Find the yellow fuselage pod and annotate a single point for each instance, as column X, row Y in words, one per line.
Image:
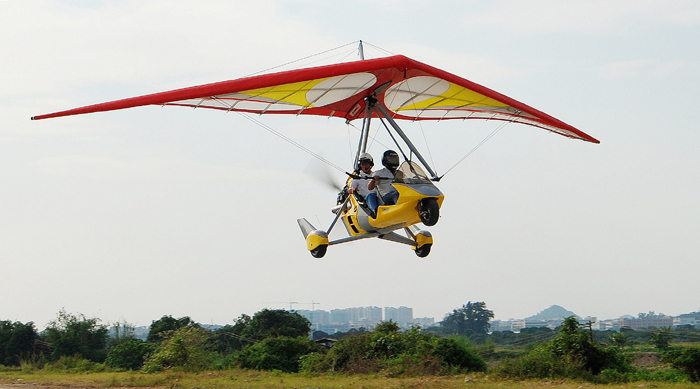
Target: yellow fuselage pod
column 316, row 239
column 402, row 214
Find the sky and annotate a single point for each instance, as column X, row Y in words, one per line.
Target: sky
column 136, row 214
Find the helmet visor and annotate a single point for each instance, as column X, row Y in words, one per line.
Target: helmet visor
column 392, row 160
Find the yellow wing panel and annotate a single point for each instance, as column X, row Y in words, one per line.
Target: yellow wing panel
column 431, row 93
column 294, row 93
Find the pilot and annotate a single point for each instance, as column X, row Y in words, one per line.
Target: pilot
column 361, row 186
column 383, row 178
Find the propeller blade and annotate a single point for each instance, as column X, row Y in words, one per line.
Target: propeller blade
column 321, row 173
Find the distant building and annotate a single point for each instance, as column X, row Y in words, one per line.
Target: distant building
column 607, row 325
column 340, row 316
column 367, row 317
column 424, row 322
column 318, row 318
column 403, row 316
column 343, row 320
column 687, row 320
column 500, row 325
column 658, row 322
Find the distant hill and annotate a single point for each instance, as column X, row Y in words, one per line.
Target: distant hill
column 553, row 312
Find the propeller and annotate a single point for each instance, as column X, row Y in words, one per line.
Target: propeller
column 320, row 172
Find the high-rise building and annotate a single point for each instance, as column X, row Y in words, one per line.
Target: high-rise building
column 403, row 316
column 317, row 318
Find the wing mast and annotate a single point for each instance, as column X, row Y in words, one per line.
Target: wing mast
column 362, row 147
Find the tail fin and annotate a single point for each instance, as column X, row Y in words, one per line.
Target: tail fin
column 306, row 227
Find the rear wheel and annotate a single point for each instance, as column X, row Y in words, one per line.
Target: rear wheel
column 429, row 211
column 423, row 250
column 319, row 251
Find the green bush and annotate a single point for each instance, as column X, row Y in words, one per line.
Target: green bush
column 280, row 353
column 129, row 355
column 571, row 354
column 395, row 353
column 451, row 353
column 611, row 376
column 541, row 363
column 315, row 363
column 74, row 364
column 686, row 360
column 186, row 349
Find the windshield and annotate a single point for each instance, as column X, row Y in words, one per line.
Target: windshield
column 410, row 173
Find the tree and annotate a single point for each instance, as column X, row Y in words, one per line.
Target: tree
column 387, row 327
column 121, row 332
column 661, row 338
column 71, row 335
column 472, row 318
column 230, row 338
column 619, row 339
column 16, row 342
column 272, row 323
column 158, row 328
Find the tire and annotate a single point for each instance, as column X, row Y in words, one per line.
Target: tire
column 319, row 251
column 429, row 211
column 423, row 250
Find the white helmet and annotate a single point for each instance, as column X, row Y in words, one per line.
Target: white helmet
column 366, row 157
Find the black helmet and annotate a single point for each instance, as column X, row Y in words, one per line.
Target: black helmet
column 390, row 159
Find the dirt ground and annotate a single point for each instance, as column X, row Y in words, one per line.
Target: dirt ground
column 646, row 359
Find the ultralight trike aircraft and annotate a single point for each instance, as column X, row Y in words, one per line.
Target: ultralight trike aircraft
column 388, row 89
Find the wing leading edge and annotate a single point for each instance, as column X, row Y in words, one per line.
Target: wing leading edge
column 410, row 90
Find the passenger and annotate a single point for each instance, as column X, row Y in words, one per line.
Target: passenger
column 383, row 178
column 361, row 186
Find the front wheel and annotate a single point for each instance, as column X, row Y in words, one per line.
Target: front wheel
column 423, row 250
column 429, row 211
column 319, row 251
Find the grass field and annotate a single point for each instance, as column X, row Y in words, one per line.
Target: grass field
column 253, row 379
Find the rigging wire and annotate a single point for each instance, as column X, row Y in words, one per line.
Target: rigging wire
column 378, row 48
column 427, row 146
column 491, row 135
column 301, row 59
column 350, row 52
column 291, row 141
column 345, row 54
